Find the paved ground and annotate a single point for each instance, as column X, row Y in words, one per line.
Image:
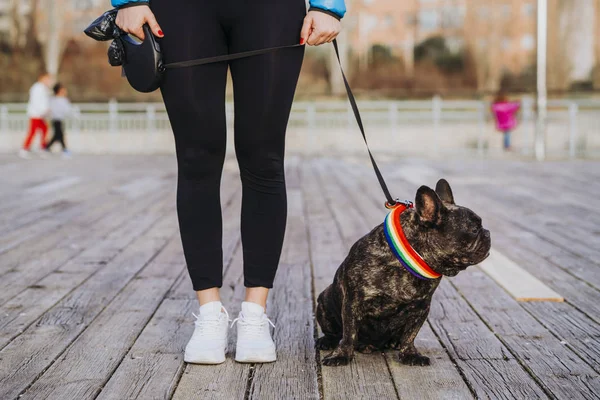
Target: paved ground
column 95, row 301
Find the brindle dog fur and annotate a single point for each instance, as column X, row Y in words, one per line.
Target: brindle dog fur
column 374, row 303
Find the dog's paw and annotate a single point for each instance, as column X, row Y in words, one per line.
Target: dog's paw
column 366, row 348
column 326, row 343
column 414, row 359
column 333, row 359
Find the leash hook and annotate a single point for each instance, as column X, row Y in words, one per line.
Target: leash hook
column 397, row 203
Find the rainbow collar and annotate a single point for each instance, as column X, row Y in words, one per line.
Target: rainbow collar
column 407, row 256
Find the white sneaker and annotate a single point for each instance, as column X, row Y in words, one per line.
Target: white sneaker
column 254, row 342
column 209, row 340
column 24, row 154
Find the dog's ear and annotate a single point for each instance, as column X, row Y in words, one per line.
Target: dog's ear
column 429, row 206
column 444, row 192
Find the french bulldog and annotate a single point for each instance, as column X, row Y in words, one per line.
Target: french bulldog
column 374, row 302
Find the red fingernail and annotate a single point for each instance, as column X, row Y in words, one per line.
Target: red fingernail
column 160, row 33
column 301, row 40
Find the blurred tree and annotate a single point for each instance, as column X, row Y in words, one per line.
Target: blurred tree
column 435, row 48
column 571, row 40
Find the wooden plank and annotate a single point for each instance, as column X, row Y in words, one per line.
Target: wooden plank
column 554, row 257
column 576, row 321
column 73, row 239
column 153, row 366
column 573, row 328
column 18, row 191
column 440, row 380
column 65, row 206
column 54, row 185
column 290, row 306
column 19, row 207
column 80, row 373
column 504, row 220
column 39, row 234
column 28, row 209
column 515, row 280
column 38, row 256
column 491, row 371
column 541, row 213
column 489, row 367
column 553, row 365
column 367, row 376
column 139, row 187
column 17, row 314
column 578, row 292
column 47, row 218
column 36, row 349
column 533, row 188
column 548, row 226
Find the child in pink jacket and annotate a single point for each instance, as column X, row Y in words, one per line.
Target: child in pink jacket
column 505, row 113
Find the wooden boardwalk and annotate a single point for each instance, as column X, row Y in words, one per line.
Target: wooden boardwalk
column 95, row 300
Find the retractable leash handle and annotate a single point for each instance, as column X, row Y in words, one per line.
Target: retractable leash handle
column 390, row 203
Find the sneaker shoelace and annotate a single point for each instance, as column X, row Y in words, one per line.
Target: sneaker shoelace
column 253, row 327
column 210, row 327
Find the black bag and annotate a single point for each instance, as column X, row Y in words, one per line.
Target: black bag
column 104, row 27
column 141, row 61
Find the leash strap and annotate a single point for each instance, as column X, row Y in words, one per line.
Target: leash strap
column 390, row 201
column 227, row 57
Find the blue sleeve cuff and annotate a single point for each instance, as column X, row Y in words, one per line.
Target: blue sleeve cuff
column 337, row 7
column 121, row 3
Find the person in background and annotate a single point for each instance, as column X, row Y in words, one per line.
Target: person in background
column 60, row 109
column 505, row 114
column 37, row 110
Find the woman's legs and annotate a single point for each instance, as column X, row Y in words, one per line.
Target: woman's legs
column 264, row 88
column 195, row 101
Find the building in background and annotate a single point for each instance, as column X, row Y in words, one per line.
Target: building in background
column 15, row 21
column 52, row 23
column 496, row 37
column 499, row 35
column 573, row 39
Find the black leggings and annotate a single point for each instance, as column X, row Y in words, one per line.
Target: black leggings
column 263, row 89
column 58, row 136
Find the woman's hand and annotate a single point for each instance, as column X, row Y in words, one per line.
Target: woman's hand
column 131, row 20
column 319, row 28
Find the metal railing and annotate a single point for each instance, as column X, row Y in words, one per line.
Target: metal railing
column 436, row 113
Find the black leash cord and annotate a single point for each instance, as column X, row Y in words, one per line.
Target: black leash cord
column 226, row 57
column 386, row 192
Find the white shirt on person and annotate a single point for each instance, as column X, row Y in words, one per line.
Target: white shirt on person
column 39, row 101
column 60, row 108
